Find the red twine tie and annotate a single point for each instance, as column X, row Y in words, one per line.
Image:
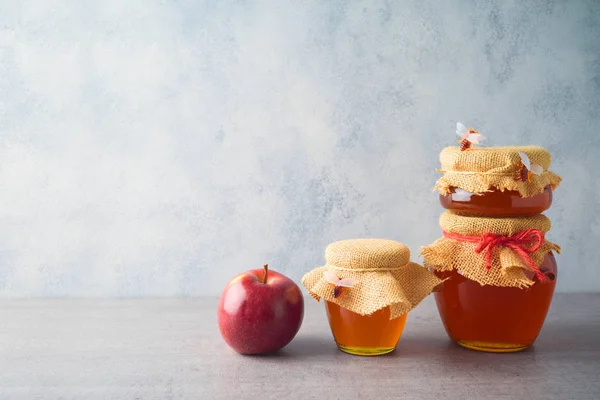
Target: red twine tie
column 522, row 243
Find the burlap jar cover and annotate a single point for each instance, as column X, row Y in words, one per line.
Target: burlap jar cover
column 491, row 251
column 482, row 169
column 385, row 276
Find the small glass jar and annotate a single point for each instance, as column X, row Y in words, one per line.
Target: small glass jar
column 365, row 283
column 496, row 203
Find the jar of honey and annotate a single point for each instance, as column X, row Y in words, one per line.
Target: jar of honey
column 499, row 269
column 369, row 286
column 495, row 203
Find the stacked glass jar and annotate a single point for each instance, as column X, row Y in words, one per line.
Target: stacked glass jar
column 498, row 267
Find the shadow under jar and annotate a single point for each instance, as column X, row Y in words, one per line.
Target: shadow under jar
column 492, row 318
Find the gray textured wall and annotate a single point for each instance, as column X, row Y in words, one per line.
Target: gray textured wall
column 159, row 148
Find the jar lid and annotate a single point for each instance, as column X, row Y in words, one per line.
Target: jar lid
column 367, row 254
column 366, row 275
column 491, row 251
column 482, row 169
column 478, row 225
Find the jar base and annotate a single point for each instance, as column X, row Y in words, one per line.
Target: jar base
column 365, row 351
column 490, row 347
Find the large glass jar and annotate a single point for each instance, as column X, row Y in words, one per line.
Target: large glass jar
column 492, row 318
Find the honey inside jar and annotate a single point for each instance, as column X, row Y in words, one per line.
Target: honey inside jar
column 365, row 335
column 497, row 203
column 493, row 318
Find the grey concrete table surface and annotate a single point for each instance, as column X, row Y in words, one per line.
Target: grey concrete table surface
column 172, row 349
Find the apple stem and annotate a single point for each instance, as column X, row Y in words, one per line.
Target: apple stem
column 266, row 267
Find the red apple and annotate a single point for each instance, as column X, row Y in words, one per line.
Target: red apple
column 260, row 311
